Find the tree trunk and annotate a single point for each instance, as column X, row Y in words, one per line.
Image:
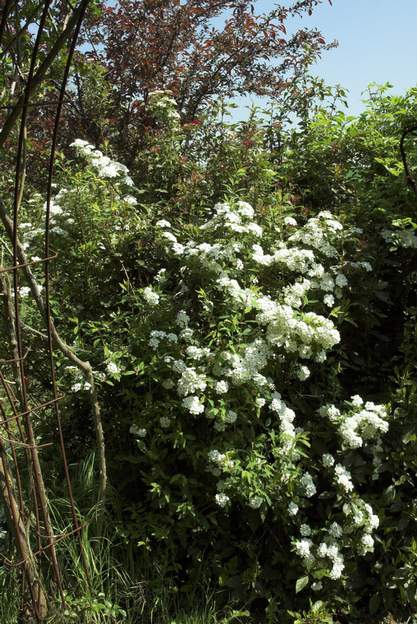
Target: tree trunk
column 7, row 492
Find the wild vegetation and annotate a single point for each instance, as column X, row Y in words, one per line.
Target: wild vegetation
column 234, row 312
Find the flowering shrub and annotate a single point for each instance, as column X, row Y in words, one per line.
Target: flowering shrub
column 232, row 346
column 220, row 369
column 235, row 333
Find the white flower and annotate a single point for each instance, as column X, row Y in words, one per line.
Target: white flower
column 150, row 296
column 255, row 229
column 290, row 222
column 327, row 282
column 162, row 223
column 331, row 411
column 336, row 530
column 186, row 334
column 308, row 485
column 337, row 569
column 129, row 199
column 356, row 400
column 105, row 167
column 322, row 550
column 112, row 368
column 177, row 248
column 221, row 387
column 193, row 405
column 255, row 502
column 245, row 209
column 328, row 300
column 302, row 548
column 222, row 499
column 138, row 431
column 196, row 353
column 81, row 144
column 191, row 381
column 182, row 319
column 328, row 460
column 343, row 478
column 215, row 456
column 341, row 280
column 305, row 530
column 292, row 509
column 54, row 208
column 321, row 357
column 171, row 237
column 372, row 519
column 156, row 337
column 303, row 373
column 367, row 543
column 179, row 366
column 24, row 291
column 164, row 421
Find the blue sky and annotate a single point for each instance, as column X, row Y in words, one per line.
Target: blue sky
column 377, row 43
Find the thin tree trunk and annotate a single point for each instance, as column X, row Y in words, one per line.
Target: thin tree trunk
column 7, row 491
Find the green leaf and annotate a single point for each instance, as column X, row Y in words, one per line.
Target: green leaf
column 301, row 583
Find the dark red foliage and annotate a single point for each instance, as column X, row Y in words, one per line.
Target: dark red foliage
column 198, row 49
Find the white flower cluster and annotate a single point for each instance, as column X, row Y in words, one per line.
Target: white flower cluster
column 221, row 461
column 307, row 334
column 283, row 327
column 150, row 296
column 362, row 422
column 343, row 478
column 163, row 106
column 331, row 552
column 315, row 233
column 356, row 532
column 238, row 220
column 327, row 552
column 259, row 302
column 246, row 366
column 105, row 166
column 307, row 485
column 78, row 383
column 193, row 404
column 139, row 432
column 191, row 382
column 113, row 369
column 157, row 336
column 286, row 416
column 222, row 500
